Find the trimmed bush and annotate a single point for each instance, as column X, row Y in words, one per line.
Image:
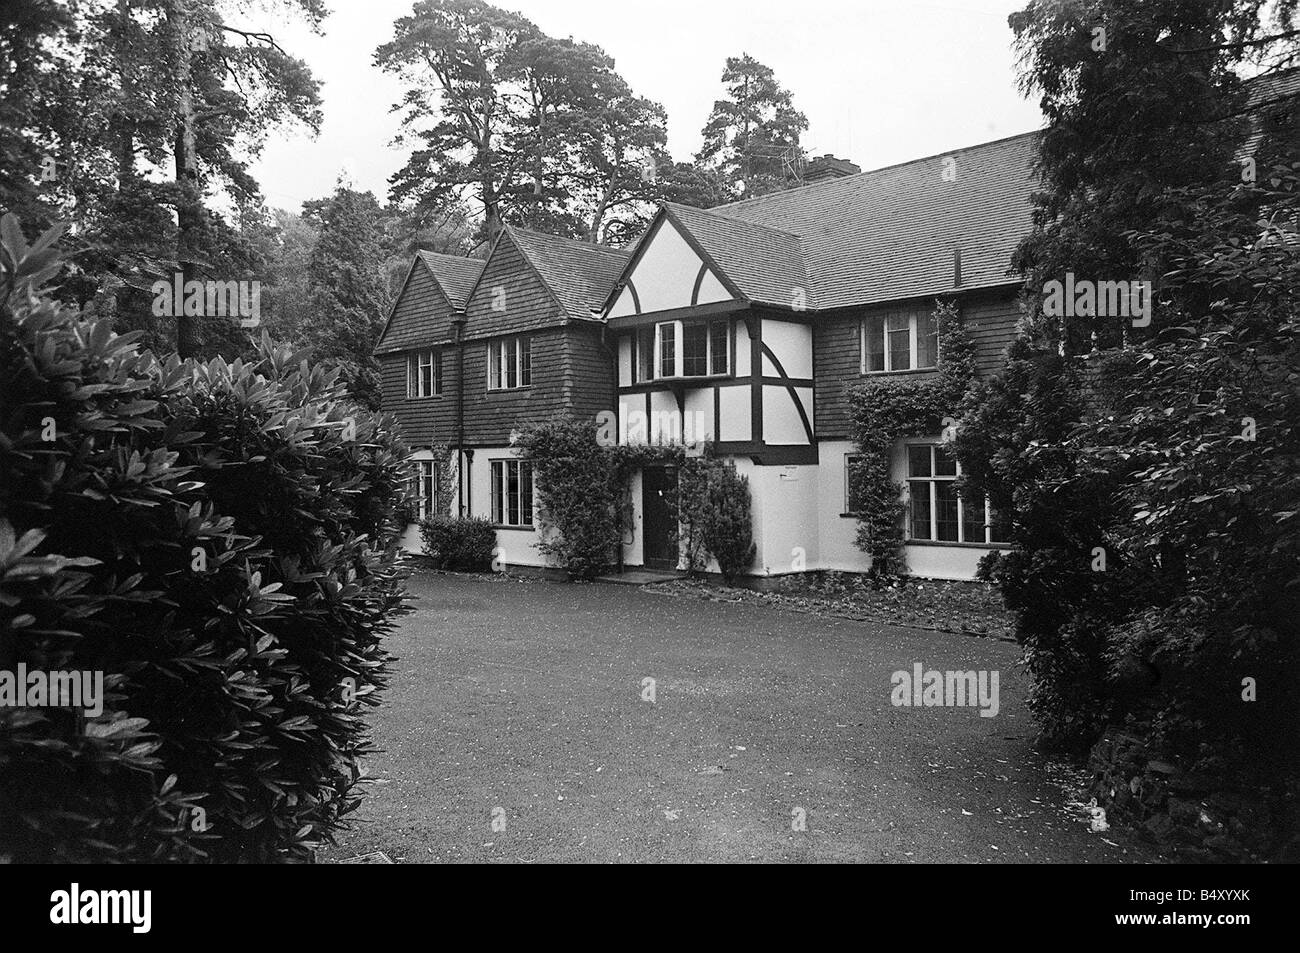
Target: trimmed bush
column 728, row 527
column 217, row 540
column 464, row 544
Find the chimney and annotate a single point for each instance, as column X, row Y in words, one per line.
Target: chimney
column 828, row 167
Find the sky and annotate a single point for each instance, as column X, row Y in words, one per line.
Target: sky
column 881, row 81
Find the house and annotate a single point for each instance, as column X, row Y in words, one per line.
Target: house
column 474, row 350
column 745, row 325
column 759, row 316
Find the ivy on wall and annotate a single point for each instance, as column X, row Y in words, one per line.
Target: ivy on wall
column 885, row 410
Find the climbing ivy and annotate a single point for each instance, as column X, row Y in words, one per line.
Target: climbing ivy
column 885, row 410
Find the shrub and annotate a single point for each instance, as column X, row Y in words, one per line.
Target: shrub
column 728, row 528
column 582, row 490
column 217, row 541
column 463, row 544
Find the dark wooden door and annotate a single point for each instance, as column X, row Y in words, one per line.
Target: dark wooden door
column 659, row 520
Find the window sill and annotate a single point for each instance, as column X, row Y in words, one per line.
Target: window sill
column 507, row 390
column 955, row 545
column 530, row 527
column 911, row 371
column 425, row 397
column 686, row 379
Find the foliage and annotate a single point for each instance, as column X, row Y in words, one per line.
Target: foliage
column 581, row 485
column 728, row 526
column 460, row 543
column 212, row 538
column 886, row 410
column 541, row 132
column 1157, row 550
column 348, row 294
column 101, row 96
column 751, row 131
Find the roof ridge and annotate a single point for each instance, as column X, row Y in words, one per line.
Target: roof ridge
column 595, row 246
column 739, row 221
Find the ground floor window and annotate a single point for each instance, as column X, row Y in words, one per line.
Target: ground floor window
column 936, row 511
column 426, row 487
column 512, row 493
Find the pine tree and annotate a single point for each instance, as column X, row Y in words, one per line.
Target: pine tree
column 752, row 132
column 347, row 288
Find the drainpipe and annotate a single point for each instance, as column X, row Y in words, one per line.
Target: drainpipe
column 458, row 326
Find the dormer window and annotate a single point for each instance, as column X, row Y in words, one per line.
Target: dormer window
column 674, row 349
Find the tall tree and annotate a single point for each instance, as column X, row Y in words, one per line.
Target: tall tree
column 347, row 287
column 534, row 130
column 752, row 136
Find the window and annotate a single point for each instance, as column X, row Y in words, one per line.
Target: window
column 682, row 349
column 512, row 493
column 510, row 363
column 426, row 487
column 424, row 373
column 899, row 341
column 936, row 511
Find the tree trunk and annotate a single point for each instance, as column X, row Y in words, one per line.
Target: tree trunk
column 189, row 208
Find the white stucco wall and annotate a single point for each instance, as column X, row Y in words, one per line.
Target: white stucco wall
column 792, row 345
column 782, row 424
column 735, row 413
column 665, row 276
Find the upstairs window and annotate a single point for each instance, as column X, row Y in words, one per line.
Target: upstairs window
column 510, row 363
column 673, row 349
column 424, row 373
column 899, row 341
column 936, row 511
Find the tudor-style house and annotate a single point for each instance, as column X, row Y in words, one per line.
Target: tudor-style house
column 474, row 350
column 746, row 325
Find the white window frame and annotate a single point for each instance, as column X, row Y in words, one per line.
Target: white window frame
column 679, row 351
column 932, row 481
column 426, row 487
column 507, row 355
column 416, row 362
column 499, row 471
column 913, row 342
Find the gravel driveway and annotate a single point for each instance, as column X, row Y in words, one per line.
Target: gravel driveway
column 517, row 728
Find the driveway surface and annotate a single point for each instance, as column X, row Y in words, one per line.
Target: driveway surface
column 517, row 728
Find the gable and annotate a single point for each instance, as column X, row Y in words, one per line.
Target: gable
column 668, row 273
column 421, row 315
column 510, row 297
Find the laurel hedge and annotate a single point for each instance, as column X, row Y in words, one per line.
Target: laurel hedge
column 217, row 539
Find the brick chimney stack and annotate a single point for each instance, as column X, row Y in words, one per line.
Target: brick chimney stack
column 829, row 167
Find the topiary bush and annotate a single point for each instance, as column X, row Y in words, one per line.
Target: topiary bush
column 463, row 544
column 728, row 525
column 217, row 540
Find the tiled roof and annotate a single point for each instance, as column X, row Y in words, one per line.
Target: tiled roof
column 455, row 275
column 579, row 274
column 880, row 235
column 766, row 264
column 1273, row 91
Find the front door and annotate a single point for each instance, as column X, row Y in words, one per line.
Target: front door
column 659, row 518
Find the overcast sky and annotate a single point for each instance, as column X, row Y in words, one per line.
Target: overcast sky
column 881, row 81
